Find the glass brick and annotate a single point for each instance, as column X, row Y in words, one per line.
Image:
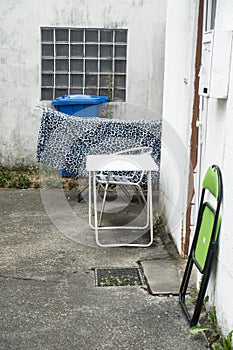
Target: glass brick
column 76, row 65
column 91, row 80
column 120, row 51
column 76, row 80
column 119, row 95
column 120, row 81
column 90, row 91
column 60, row 92
column 103, row 92
column 76, row 35
column 76, row 91
column 47, row 35
column 47, row 50
column 61, row 80
column 91, row 35
column 106, row 66
column 120, row 66
column 47, row 65
column 121, row 36
column 91, row 51
column 47, row 94
column 106, row 51
column 61, row 35
column 106, row 36
column 91, row 66
column 104, row 80
column 62, row 65
column 76, row 50
column 47, row 80
column 62, row 50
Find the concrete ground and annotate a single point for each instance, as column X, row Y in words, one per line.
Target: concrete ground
column 48, row 296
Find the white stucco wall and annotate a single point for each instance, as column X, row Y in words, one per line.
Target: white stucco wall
column 20, row 22
column 219, row 150
column 180, row 52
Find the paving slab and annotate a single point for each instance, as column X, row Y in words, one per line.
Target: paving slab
column 163, row 275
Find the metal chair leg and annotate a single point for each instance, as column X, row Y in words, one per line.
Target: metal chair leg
column 103, row 204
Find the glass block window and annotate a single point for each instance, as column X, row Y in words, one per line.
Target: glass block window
column 83, row 61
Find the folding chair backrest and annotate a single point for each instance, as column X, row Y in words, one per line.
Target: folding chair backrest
column 209, row 219
column 205, row 241
column 213, row 182
column 205, row 235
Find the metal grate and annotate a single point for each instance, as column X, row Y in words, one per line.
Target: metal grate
column 118, row 277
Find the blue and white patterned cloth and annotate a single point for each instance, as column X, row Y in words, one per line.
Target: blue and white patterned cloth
column 65, row 141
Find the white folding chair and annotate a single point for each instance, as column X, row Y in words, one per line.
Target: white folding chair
column 127, row 169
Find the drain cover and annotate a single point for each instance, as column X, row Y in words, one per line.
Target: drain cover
column 106, row 277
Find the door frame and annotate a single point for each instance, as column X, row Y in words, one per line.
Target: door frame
column 194, row 133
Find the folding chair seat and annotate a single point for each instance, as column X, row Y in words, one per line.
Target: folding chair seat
column 205, row 242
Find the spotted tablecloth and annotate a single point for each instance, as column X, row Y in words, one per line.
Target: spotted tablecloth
column 65, row 141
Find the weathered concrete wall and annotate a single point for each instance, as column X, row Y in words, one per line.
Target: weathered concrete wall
column 217, row 145
column 180, row 52
column 20, row 22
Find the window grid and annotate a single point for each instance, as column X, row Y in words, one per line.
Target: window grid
column 86, row 61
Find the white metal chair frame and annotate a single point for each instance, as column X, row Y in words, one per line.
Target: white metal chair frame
column 132, row 176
